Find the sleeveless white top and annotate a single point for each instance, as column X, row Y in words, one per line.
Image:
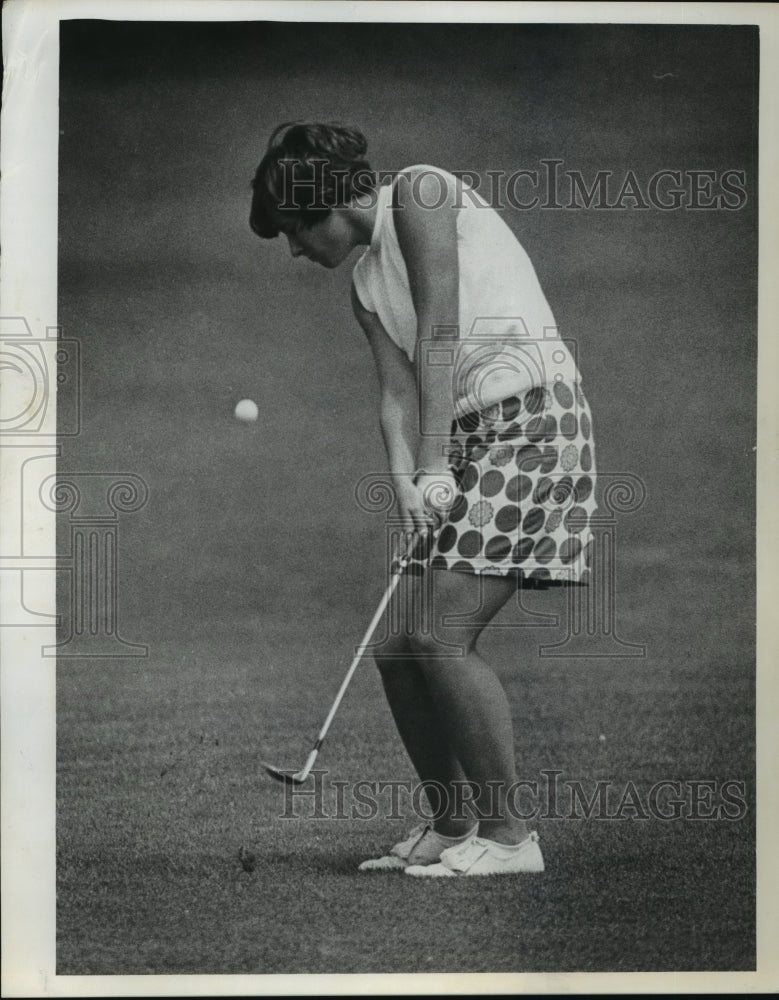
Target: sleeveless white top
column 508, row 338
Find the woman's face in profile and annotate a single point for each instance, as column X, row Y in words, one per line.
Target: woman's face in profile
column 328, row 242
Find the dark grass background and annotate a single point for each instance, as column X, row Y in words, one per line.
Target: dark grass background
column 252, row 572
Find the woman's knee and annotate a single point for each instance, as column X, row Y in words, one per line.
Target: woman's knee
column 431, row 648
column 391, row 651
column 423, row 648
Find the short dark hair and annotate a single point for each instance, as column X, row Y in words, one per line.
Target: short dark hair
column 311, row 169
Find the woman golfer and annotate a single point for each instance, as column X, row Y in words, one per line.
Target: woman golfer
column 489, row 443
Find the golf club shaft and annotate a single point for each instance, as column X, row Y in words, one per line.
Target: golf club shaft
column 396, row 575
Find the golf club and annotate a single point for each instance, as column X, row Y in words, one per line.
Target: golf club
column 300, row 776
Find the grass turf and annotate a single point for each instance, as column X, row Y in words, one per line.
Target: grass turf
column 160, row 784
column 251, row 563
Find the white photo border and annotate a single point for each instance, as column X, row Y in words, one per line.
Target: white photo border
column 28, row 284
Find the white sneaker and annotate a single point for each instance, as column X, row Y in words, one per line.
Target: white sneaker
column 423, row 846
column 478, row 856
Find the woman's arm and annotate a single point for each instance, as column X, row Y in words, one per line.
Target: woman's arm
column 428, row 242
column 398, row 392
column 398, row 416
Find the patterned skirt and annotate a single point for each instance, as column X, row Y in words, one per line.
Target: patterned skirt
column 525, row 470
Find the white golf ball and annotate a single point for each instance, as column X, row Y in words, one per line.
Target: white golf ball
column 246, row 409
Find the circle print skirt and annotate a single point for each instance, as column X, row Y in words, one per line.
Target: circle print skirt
column 525, row 470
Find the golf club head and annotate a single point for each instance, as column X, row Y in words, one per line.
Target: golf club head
column 283, row 776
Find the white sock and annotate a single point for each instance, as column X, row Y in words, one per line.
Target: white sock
column 454, row 840
column 513, row 847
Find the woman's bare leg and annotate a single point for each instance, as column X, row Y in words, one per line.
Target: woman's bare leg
column 471, row 704
column 415, row 714
column 449, row 706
